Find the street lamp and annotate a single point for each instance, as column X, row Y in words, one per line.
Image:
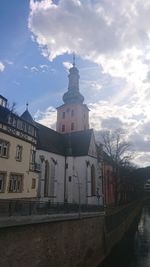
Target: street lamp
column 79, row 193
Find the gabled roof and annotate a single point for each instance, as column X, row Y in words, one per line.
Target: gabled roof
column 71, row 144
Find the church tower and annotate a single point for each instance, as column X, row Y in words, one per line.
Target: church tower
column 73, row 115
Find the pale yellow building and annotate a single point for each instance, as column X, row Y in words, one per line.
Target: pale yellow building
column 18, row 170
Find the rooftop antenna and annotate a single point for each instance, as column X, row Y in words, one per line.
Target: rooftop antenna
column 27, row 104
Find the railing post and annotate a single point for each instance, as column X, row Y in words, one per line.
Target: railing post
column 30, row 208
column 10, row 208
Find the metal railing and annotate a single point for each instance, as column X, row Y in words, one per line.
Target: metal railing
column 35, row 207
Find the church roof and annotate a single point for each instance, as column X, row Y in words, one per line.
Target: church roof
column 71, row 144
column 50, row 140
column 77, row 143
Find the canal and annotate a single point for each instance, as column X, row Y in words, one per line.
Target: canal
column 134, row 249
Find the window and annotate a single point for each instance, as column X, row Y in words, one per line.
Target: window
column 19, row 124
column 93, row 181
column 33, row 183
column 14, row 122
column 4, row 147
column 18, row 152
column 72, row 113
column 63, row 115
column 32, row 160
column 69, row 178
column 2, row 181
column 72, row 126
column 63, row 128
column 30, row 130
column 16, row 183
column 46, row 179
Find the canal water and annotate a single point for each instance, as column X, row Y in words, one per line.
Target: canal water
column 134, row 249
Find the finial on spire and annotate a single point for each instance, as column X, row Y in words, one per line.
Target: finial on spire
column 73, row 59
column 27, row 104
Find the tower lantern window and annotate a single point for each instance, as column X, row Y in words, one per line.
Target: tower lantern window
column 63, row 115
column 72, row 113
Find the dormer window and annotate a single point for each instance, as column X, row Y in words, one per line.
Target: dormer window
column 3, row 101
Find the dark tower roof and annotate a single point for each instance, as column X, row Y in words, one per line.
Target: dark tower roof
column 27, row 116
column 73, row 95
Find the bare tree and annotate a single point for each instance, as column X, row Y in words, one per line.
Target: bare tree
column 12, row 107
column 116, row 146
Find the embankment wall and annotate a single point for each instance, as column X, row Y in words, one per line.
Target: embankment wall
column 79, row 242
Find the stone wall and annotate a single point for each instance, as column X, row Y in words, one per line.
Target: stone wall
column 83, row 242
column 72, row 243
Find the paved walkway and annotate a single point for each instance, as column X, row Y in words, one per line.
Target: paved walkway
column 33, row 219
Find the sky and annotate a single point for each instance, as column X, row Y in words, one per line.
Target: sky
column 111, row 41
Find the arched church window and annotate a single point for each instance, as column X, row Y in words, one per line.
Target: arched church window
column 63, row 128
column 52, row 178
column 46, row 180
column 93, row 181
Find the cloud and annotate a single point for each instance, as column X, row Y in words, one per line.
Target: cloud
column 67, row 65
column 2, row 67
column 66, row 27
column 121, row 46
column 9, row 62
column 47, row 118
column 34, row 69
column 42, row 68
column 113, row 38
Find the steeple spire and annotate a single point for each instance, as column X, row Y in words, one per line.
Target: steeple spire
column 73, row 60
column 73, row 95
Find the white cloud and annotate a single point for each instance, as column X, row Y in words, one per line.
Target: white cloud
column 67, row 65
column 9, row 62
column 34, row 69
column 120, row 45
column 2, row 67
column 47, row 118
column 42, row 68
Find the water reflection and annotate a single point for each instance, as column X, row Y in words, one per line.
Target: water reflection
column 134, row 249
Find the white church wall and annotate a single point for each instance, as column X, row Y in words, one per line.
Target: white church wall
column 78, row 180
column 55, row 190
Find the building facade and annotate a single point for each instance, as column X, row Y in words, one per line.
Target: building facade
column 56, row 166
column 68, row 156
column 18, row 170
